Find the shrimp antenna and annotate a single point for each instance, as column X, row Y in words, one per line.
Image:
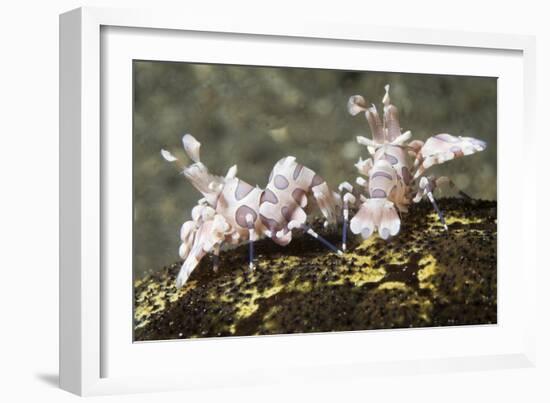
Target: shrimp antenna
column 438, row 211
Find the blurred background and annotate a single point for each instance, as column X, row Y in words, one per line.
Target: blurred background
column 253, row 116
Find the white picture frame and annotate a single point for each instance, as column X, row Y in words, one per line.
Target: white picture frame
column 92, row 350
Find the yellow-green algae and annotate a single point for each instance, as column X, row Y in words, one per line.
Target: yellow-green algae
column 428, row 266
column 246, row 305
column 422, row 277
column 154, row 296
column 392, row 285
column 434, row 218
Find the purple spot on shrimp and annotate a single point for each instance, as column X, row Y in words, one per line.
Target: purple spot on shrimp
column 391, row 159
column 271, row 224
column 381, row 173
column 378, row 194
column 317, row 180
column 241, row 213
column 286, row 213
column 457, row 151
column 280, row 182
column 406, row 175
column 242, row 190
column 268, row 196
column 297, row 171
column 297, row 195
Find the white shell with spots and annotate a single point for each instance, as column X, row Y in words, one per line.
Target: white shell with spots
column 391, row 173
column 286, row 197
column 229, row 201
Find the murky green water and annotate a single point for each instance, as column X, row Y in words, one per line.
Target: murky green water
column 253, row 116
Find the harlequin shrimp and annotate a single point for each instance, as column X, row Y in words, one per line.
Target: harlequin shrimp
column 232, row 211
column 394, row 175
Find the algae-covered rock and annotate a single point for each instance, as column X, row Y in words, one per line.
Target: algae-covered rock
column 422, row 277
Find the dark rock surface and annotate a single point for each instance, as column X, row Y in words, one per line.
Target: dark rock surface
column 422, row 277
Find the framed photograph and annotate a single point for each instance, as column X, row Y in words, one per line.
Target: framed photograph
column 243, row 202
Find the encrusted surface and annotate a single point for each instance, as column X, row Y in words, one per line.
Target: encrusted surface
column 422, row 277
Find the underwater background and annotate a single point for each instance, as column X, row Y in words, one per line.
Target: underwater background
column 253, row 116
